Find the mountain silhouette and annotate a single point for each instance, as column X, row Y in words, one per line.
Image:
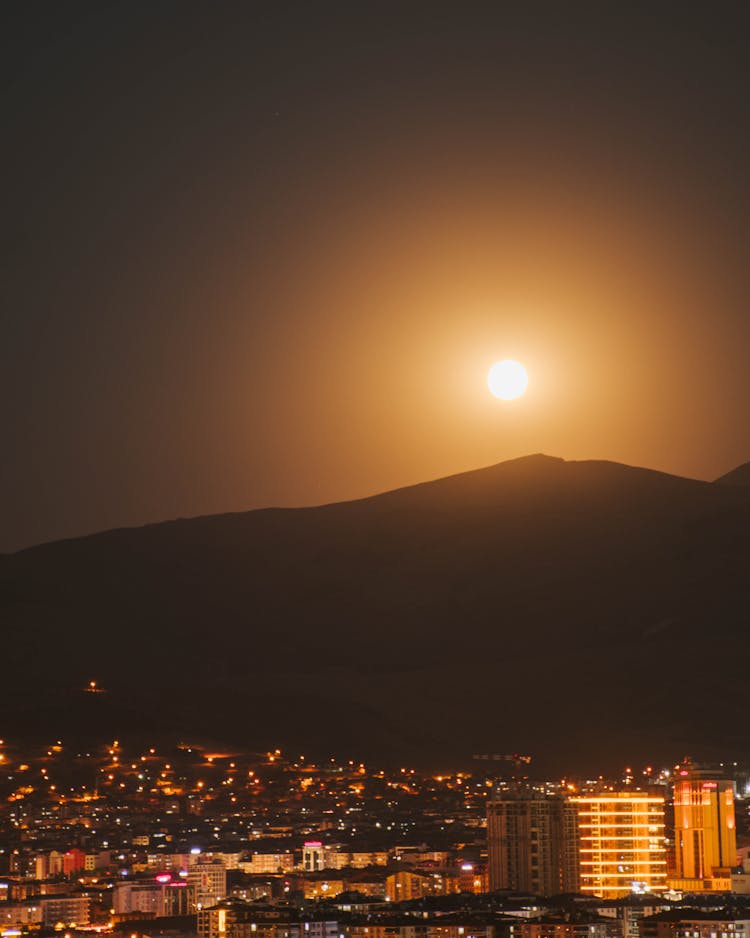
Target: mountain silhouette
column 738, row 476
column 589, row 613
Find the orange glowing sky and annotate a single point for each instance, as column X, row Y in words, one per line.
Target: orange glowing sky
column 273, row 263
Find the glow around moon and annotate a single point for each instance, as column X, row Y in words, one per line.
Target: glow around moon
column 507, row 379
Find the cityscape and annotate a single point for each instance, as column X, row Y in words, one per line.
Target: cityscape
column 374, row 480
column 187, row 841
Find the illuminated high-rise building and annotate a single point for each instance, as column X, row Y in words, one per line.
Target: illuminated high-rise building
column 532, row 844
column 207, row 877
column 705, row 836
column 622, row 845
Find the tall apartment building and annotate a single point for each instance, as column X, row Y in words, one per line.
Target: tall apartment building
column 532, row 844
column 207, row 877
column 705, row 836
column 622, row 846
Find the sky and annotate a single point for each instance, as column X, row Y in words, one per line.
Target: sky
column 264, row 254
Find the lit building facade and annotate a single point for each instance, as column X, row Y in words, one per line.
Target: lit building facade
column 268, row 863
column 73, row 861
column 557, row 928
column 68, row 910
column 313, row 856
column 207, row 879
column 693, row 923
column 323, row 888
column 317, row 857
column 532, row 844
column 705, row 835
column 405, row 886
column 145, row 898
column 622, row 848
column 153, row 899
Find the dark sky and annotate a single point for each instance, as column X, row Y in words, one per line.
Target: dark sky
column 261, row 254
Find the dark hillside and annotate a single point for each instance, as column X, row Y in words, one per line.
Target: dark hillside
column 581, row 611
column 738, row 476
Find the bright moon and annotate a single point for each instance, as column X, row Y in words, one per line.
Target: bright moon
column 507, row 379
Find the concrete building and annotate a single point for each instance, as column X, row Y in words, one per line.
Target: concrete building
column 390, row 930
column 317, row 857
column 68, row 910
column 268, row 863
column 549, row 927
column 74, row 860
column 152, row 899
column 207, row 878
column 532, row 844
column 238, row 920
column 407, row 885
column 19, row 915
column 323, row 888
column 630, row 911
column 313, row 856
column 145, row 898
column 695, row 923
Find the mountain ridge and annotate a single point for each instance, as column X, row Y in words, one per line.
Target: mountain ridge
column 533, row 459
column 740, row 475
column 514, row 582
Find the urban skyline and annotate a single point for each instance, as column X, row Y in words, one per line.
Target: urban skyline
column 164, row 835
column 374, row 482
